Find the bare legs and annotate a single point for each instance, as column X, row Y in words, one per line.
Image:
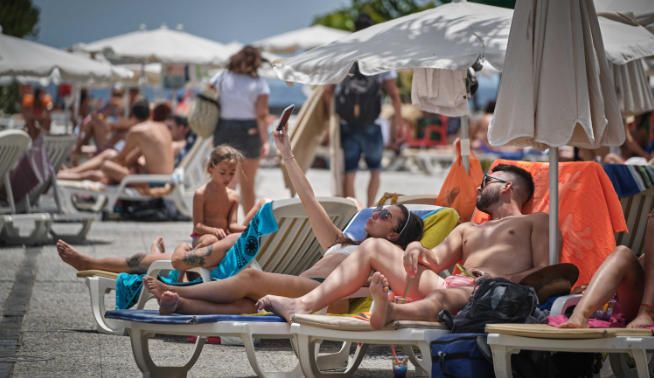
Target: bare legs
column 621, row 273
column 236, row 294
column 373, row 254
column 137, row 263
column 373, row 186
column 246, row 181
column 89, row 169
column 427, row 309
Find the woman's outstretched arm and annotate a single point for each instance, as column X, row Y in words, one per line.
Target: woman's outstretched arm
column 326, row 232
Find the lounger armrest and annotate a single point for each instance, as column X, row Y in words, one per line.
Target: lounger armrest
column 562, row 304
column 159, row 265
column 138, row 179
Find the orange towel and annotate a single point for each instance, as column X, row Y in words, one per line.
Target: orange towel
column 459, row 190
column 589, row 211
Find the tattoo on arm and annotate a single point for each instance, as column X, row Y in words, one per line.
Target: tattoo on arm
column 197, row 257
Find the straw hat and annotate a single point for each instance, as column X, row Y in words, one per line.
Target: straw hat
column 552, row 280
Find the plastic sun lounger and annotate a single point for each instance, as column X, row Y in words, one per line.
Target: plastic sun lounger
column 291, row 250
column 139, row 331
column 505, row 340
column 13, row 144
column 58, row 148
column 190, row 174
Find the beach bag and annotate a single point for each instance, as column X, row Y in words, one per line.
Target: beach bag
column 463, row 355
column 204, row 113
column 31, row 171
column 358, row 99
column 495, row 300
column 459, row 190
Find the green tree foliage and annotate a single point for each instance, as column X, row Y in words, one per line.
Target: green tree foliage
column 19, row 18
column 378, row 10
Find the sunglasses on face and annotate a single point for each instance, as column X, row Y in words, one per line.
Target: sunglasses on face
column 488, row 179
column 382, row 213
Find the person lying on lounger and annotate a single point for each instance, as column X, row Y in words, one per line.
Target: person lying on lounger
column 629, row 277
column 184, row 257
column 511, row 245
column 238, row 294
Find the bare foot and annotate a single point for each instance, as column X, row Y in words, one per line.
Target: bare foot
column 157, row 246
column 575, row 321
column 381, row 311
column 642, row 320
column 168, row 302
column 282, row 306
column 72, row 257
column 156, row 287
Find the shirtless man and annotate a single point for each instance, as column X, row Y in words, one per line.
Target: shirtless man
column 631, row 278
column 148, row 149
column 512, row 245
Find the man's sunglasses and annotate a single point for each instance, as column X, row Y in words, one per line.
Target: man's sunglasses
column 488, row 179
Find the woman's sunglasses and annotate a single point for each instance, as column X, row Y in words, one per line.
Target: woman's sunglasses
column 382, row 213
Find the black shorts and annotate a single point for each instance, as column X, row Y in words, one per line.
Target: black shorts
column 242, row 134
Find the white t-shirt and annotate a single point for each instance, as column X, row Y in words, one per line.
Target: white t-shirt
column 238, row 94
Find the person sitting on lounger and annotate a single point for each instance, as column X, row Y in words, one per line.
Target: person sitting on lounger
column 630, row 278
column 148, row 149
column 238, row 294
column 215, row 205
column 511, row 245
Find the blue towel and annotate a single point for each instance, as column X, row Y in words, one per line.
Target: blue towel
column 152, row 316
column 355, row 230
column 622, row 179
column 128, row 286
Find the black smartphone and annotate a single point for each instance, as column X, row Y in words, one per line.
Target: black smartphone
column 286, row 113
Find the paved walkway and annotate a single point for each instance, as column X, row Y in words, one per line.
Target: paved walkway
column 47, row 329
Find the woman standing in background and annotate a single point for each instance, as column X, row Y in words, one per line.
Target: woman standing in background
column 244, row 108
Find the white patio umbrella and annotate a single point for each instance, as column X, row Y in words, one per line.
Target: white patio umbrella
column 161, row 45
column 23, row 59
column 632, row 87
column 557, row 88
column 300, row 39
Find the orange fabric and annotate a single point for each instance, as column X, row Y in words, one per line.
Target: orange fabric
column 590, row 212
column 459, row 190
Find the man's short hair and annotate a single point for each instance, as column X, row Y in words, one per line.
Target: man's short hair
column 161, row 112
column 141, row 110
column 525, row 180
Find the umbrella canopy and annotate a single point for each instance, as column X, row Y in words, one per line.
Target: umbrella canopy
column 301, row 39
column 557, row 87
column 633, row 88
column 451, row 36
column 22, row 59
column 641, row 11
column 159, row 46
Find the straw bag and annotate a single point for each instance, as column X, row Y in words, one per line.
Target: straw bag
column 204, row 113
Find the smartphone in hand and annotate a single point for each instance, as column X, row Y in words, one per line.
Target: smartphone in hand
column 286, row 114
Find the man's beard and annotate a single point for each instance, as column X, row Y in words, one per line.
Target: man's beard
column 487, row 198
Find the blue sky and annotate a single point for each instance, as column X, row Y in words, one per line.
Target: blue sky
column 63, row 23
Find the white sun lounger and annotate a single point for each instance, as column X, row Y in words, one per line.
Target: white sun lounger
column 13, row 144
column 288, row 251
column 190, row 174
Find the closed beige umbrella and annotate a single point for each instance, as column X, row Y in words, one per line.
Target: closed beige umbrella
column 557, row 88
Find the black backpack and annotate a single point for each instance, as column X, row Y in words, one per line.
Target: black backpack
column 358, row 98
column 495, row 300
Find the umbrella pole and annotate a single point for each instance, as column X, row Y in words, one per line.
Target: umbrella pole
column 554, row 205
column 465, row 143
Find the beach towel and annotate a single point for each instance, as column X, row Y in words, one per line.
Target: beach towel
column 128, row 286
column 629, row 180
column 590, row 212
column 459, row 190
column 440, row 91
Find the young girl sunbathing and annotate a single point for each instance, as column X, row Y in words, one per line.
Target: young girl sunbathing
column 215, row 205
column 238, row 294
column 630, row 278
